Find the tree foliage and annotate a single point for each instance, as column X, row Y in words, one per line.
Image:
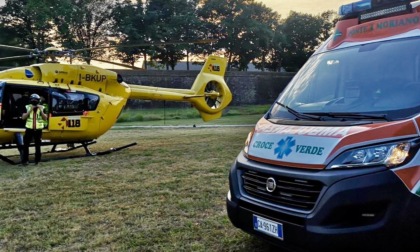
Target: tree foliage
column 296, row 38
column 130, row 27
column 85, row 24
column 30, row 20
column 245, row 30
column 171, row 20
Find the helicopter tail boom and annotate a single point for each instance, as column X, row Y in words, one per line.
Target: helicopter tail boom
column 209, row 94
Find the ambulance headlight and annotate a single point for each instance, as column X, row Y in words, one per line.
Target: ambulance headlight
column 390, row 155
column 248, row 142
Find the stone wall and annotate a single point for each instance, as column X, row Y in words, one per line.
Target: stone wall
column 247, row 87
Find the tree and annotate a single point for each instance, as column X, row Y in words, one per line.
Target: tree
column 220, row 16
column 259, row 35
column 193, row 30
column 85, row 24
column 246, row 31
column 330, row 18
column 27, row 23
column 9, row 37
column 131, row 28
column 243, row 28
column 303, row 33
column 274, row 56
column 170, row 20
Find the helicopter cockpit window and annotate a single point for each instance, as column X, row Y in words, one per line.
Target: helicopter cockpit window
column 91, row 101
column 72, row 103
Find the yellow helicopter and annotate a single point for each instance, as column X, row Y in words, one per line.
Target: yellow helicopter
column 85, row 101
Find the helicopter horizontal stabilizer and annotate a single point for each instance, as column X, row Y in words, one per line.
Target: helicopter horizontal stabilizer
column 209, row 94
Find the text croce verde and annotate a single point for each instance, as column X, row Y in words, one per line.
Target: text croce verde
column 304, row 149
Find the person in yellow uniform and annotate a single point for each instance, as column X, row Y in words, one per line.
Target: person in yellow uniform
column 34, row 117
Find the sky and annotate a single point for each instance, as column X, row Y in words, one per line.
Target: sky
column 314, row 7
column 283, row 7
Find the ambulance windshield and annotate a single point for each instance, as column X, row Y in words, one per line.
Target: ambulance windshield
column 377, row 78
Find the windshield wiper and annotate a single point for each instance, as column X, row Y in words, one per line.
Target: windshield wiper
column 347, row 115
column 299, row 115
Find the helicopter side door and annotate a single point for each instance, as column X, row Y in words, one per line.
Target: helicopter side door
column 14, row 99
column 69, row 108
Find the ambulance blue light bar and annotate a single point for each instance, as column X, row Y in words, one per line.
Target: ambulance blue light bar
column 355, row 8
column 363, row 6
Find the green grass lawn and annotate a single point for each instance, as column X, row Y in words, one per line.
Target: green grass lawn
column 225, row 120
column 248, row 115
column 167, row 193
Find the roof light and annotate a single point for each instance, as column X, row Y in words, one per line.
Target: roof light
column 363, row 6
column 354, row 8
column 381, row 3
column 383, row 12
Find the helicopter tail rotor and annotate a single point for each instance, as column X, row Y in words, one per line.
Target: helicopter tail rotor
column 209, row 94
column 212, row 94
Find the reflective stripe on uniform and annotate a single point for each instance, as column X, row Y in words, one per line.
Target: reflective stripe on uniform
column 38, row 123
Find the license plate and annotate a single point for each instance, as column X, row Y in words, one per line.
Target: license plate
column 268, row 227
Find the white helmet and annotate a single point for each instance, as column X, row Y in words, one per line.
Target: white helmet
column 34, row 99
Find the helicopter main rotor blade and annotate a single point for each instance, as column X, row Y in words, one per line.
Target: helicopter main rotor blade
column 118, row 64
column 16, row 48
column 18, row 57
column 203, row 41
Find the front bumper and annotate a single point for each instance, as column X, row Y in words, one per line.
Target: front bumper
column 364, row 209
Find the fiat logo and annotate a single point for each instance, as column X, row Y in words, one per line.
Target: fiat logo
column 270, row 185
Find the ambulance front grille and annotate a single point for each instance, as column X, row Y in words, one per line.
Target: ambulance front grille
column 289, row 192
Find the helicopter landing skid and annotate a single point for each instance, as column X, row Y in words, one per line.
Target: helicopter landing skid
column 85, row 145
column 88, row 153
column 70, row 147
column 7, row 160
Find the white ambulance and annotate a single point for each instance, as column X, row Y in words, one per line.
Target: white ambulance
column 334, row 165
